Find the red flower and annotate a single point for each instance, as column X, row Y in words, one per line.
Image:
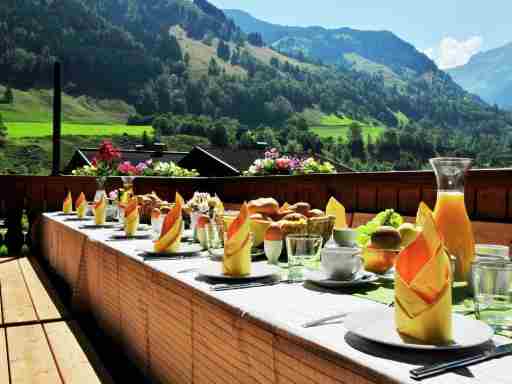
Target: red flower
column 107, row 152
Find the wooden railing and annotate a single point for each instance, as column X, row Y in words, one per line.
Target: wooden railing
column 488, row 192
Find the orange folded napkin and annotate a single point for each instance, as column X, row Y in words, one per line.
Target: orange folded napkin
column 237, row 246
column 100, row 211
column 131, row 217
column 170, row 237
column 67, row 205
column 336, row 209
column 423, row 293
column 81, row 206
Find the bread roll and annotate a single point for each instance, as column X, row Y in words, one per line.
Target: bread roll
column 315, row 213
column 266, row 206
column 294, row 217
column 301, row 208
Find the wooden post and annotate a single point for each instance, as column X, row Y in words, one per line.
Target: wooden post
column 57, row 103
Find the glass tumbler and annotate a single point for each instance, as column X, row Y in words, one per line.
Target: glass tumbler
column 215, row 239
column 493, row 293
column 301, row 249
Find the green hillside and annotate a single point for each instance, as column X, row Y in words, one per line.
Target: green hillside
column 37, row 129
column 35, row 105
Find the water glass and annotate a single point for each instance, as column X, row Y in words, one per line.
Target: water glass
column 156, row 226
column 301, row 249
column 493, row 293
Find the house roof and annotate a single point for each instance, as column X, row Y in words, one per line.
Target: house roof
column 238, row 160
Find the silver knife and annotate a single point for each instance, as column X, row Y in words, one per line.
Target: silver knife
column 427, row 371
column 229, row 287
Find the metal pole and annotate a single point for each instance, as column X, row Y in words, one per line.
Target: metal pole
column 57, row 107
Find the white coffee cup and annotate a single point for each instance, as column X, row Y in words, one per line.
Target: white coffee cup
column 342, row 263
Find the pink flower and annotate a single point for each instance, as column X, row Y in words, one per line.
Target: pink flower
column 141, row 167
column 127, row 168
column 283, row 163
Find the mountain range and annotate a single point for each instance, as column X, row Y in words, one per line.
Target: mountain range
column 189, row 57
column 489, row 75
column 377, row 51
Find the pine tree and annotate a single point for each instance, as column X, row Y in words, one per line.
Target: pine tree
column 223, row 51
column 213, row 68
column 8, row 95
column 3, row 132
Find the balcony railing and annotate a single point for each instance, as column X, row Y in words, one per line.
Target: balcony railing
column 488, row 192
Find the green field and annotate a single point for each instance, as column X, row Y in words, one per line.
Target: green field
column 336, row 126
column 35, row 105
column 18, row 130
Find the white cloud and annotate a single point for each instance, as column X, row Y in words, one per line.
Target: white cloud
column 453, row 53
column 430, row 52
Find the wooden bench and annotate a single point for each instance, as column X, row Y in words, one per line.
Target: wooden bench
column 39, row 340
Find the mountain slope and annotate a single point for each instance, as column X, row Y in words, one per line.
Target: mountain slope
column 488, row 75
column 331, row 45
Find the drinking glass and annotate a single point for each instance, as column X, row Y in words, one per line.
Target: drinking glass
column 156, row 226
column 493, row 293
column 214, row 233
column 301, row 249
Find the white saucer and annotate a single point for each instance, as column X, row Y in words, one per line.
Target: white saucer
column 378, row 325
column 320, row 278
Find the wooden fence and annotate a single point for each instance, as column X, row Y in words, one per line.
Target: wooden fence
column 488, row 192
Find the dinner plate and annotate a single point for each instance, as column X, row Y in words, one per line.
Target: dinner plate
column 97, row 226
column 378, row 325
column 218, row 254
column 137, row 236
column 140, row 228
column 213, row 270
column 320, row 278
column 185, row 250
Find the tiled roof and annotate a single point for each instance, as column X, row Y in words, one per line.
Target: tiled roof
column 136, row 156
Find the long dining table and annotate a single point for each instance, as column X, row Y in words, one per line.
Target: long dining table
column 176, row 329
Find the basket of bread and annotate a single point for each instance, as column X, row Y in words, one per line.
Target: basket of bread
column 298, row 218
column 149, row 203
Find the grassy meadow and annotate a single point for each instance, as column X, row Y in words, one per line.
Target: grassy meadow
column 339, row 126
column 38, row 129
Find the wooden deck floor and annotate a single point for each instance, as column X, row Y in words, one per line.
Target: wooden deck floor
column 40, row 342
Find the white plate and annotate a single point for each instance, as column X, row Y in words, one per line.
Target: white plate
column 378, row 325
column 213, row 270
column 320, row 278
column 186, row 249
column 137, row 236
column 218, row 254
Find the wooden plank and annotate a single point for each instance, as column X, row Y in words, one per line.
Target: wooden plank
column 491, row 203
column 30, row 357
column 387, row 197
column 75, row 358
column 17, row 306
column 4, row 361
column 46, row 302
column 492, row 233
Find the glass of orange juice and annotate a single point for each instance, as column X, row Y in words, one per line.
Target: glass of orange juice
column 450, row 212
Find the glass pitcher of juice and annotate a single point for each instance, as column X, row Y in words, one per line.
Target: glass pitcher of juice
column 450, row 213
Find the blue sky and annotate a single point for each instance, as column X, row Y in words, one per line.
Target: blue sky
column 448, row 30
